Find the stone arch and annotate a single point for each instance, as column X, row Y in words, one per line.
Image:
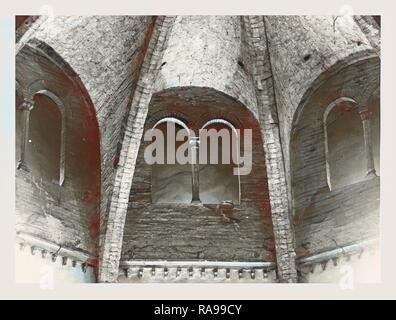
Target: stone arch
column 203, row 105
column 159, row 115
column 173, row 120
column 368, row 55
column 334, row 104
column 207, row 95
column 70, row 208
column 230, row 118
column 359, row 60
column 320, row 208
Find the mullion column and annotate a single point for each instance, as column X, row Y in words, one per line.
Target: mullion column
column 365, row 116
column 194, row 145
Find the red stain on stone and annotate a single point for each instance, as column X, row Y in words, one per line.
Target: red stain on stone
column 345, row 107
column 91, row 130
column 94, row 227
column 94, row 233
column 297, row 220
column 116, row 160
column 93, row 262
column 91, row 196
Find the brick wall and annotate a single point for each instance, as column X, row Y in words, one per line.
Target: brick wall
column 327, row 219
column 104, row 55
column 193, row 232
column 208, row 51
column 68, row 214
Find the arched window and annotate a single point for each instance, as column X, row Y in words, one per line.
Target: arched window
column 219, row 182
column 171, row 181
column 44, row 146
column 346, row 161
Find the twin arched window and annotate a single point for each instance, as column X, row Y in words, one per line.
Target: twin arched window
column 206, row 182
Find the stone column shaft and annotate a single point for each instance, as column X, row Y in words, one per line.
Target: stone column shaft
column 194, row 145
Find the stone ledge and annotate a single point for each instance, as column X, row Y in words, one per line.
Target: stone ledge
column 47, row 248
column 196, row 271
column 334, row 255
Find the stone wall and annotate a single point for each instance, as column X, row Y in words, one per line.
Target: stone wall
column 106, row 53
column 117, row 75
column 339, row 218
column 103, row 56
column 304, row 51
column 208, row 51
column 331, row 214
column 62, row 211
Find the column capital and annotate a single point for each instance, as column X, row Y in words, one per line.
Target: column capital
column 27, row 104
column 364, row 113
column 194, row 141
